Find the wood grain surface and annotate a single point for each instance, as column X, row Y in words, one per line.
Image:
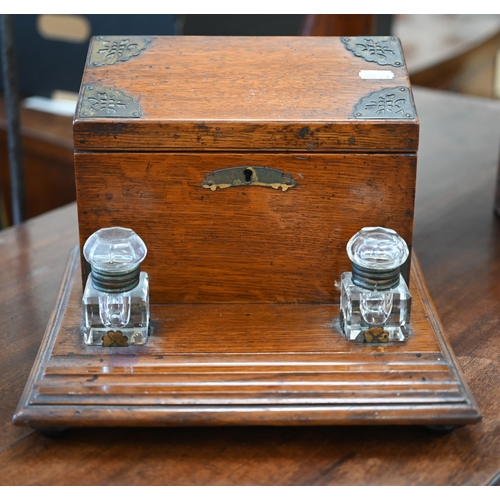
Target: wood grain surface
column 244, row 93
column 245, row 243
column 243, row 364
column 457, row 238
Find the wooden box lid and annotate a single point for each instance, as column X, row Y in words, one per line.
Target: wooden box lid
column 246, row 93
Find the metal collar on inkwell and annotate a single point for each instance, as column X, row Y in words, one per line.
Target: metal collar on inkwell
column 115, row 282
column 377, row 254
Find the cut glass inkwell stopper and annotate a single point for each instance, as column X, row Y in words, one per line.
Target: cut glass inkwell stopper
column 116, row 297
column 375, row 302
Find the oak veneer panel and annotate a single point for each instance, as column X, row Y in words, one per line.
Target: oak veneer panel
column 206, row 364
column 243, row 93
column 247, row 243
column 213, row 333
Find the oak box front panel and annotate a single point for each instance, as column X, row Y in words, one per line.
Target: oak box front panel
column 245, row 243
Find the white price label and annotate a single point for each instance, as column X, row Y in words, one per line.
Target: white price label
column 376, row 75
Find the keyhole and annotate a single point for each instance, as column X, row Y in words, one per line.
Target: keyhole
column 248, row 175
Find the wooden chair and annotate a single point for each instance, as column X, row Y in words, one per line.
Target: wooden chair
column 469, row 72
column 47, row 154
column 338, row 25
column 451, row 52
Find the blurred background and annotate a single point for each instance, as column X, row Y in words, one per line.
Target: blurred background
column 455, row 52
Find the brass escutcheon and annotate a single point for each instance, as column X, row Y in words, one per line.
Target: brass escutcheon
column 248, row 176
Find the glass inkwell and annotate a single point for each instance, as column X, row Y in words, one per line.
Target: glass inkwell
column 116, row 297
column 375, row 302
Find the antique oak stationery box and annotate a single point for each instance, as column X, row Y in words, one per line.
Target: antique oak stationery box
column 245, row 164
column 319, row 134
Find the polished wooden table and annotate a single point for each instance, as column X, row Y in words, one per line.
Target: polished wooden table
column 457, row 239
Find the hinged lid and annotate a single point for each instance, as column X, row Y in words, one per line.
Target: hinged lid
column 246, row 93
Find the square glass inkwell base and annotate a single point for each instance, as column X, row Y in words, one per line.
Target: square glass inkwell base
column 375, row 302
column 116, row 319
column 115, row 301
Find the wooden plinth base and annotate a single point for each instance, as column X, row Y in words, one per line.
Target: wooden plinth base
column 243, row 364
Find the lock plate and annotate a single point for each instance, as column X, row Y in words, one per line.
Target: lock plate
column 248, row 176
